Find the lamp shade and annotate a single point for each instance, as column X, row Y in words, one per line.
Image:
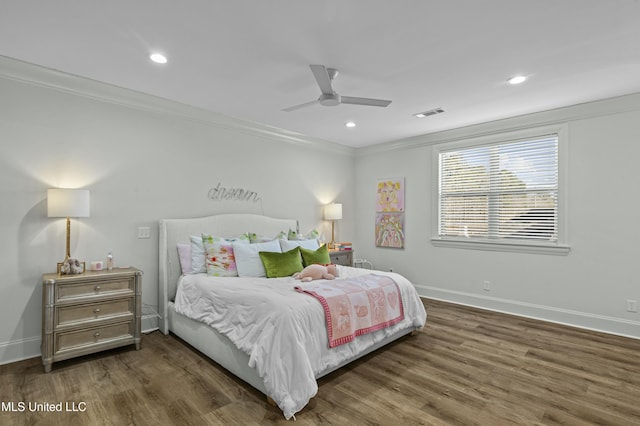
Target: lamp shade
column 68, row 203
column 333, row 211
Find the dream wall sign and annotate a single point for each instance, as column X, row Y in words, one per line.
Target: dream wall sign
column 221, row 193
column 389, row 227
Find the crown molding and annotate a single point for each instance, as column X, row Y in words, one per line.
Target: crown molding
column 35, row 75
column 609, row 106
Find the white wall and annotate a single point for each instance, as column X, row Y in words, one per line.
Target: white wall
column 143, row 159
column 589, row 286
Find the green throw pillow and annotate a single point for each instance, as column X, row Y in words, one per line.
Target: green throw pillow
column 281, row 264
column 321, row 256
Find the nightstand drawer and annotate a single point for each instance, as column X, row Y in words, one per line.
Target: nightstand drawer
column 69, row 315
column 93, row 336
column 67, row 291
column 344, row 257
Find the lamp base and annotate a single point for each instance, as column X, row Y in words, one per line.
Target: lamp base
column 70, row 266
column 332, row 244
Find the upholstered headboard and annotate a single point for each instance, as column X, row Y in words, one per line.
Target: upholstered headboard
column 174, row 231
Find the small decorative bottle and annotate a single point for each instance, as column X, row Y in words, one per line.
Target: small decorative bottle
column 110, row 262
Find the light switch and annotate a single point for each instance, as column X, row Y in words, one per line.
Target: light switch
column 144, row 232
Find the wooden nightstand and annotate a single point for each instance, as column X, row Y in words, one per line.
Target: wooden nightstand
column 341, row 257
column 91, row 312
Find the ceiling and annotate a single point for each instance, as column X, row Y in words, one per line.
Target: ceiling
column 249, row 59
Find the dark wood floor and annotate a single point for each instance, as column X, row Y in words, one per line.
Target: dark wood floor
column 466, row 367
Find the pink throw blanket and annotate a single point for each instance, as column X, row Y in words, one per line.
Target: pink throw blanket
column 356, row 306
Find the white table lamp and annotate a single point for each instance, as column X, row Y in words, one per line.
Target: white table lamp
column 333, row 212
column 68, row 203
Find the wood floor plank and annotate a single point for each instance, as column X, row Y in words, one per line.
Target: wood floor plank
column 466, row 367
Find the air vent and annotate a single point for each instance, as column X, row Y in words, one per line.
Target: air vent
column 430, row 112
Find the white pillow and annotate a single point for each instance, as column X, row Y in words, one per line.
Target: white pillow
column 197, row 255
column 184, row 255
column 286, row 245
column 248, row 260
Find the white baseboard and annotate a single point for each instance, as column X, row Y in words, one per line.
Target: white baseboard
column 21, row 349
column 601, row 323
column 18, row 350
column 150, row 322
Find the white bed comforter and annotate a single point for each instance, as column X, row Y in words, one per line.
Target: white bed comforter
column 283, row 332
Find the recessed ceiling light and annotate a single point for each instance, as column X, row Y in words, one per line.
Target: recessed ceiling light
column 517, row 79
column 158, row 58
column 350, row 124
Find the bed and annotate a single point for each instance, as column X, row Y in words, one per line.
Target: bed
column 288, row 377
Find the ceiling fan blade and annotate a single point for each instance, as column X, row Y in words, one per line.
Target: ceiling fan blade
column 364, row 101
column 295, row 107
column 322, row 77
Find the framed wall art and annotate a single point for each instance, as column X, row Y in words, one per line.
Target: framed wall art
column 389, row 225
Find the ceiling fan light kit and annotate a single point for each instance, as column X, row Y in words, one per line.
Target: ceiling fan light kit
column 329, row 97
column 329, row 100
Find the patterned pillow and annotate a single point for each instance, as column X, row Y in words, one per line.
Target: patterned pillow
column 257, row 238
column 220, row 259
column 312, row 235
column 292, row 235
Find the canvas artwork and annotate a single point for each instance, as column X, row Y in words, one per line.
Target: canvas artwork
column 390, row 213
column 390, row 230
column 390, row 195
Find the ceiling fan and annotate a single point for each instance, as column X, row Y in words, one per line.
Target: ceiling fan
column 324, row 76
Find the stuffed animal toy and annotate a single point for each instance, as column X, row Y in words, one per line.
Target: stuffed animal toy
column 317, row 272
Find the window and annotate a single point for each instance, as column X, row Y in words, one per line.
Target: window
column 500, row 194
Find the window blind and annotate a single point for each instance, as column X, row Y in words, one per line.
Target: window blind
column 501, row 191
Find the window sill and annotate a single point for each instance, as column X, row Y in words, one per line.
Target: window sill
column 558, row 250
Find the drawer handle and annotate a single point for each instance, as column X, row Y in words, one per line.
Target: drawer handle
column 96, row 310
column 96, row 335
column 97, row 288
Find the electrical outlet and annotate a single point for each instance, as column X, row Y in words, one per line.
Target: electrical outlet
column 486, row 286
column 144, row 232
column 632, row 305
